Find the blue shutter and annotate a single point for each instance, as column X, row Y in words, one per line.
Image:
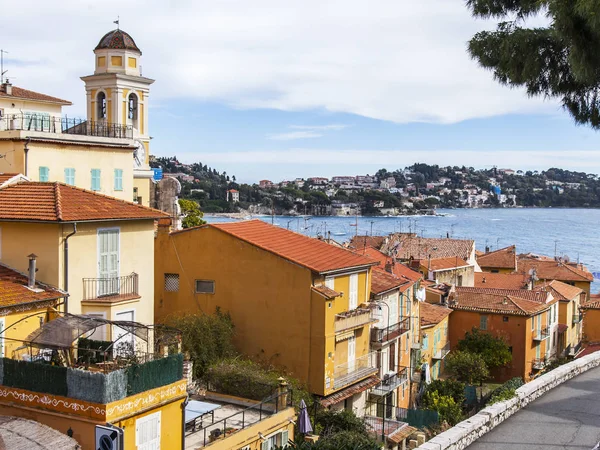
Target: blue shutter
column 118, row 179
column 95, row 179
column 44, row 173
column 70, row 176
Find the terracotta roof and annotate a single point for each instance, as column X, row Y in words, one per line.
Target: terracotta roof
column 560, row 290
column 17, row 433
column 14, row 290
column 555, row 270
column 441, row 264
column 401, row 434
column 592, row 303
column 24, row 94
column 398, row 269
column 313, row 254
column 500, row 280
column 348, row 392
column 361, row 242
column 562, row 327
column 432, row 314
column 504, row 258
column 326, row 292
column 58, row 202
column 591, row 348
column 382, row 281
column 534, row 296
column 496, row 302
column 422, row 248
column 117, row 40
column 4, row 177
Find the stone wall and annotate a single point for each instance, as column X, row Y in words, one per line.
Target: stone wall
column 467, row 431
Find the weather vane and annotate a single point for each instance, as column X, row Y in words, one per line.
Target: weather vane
column 117, row 22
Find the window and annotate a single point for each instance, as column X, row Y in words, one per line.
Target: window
column 446, row 329
column 483, row 322
column 108, row 261
column 205, row 287
column 532, row 323
column 425, row 342
column 118, row 179
column 147, row 432
column 133, row 107
column 460, row 280
column 353, row 297
column 504, row 318
column 44, row 173
column 95, row 179
column 101, row 105
column 276, row 440
column 329, row 282
column 70, row 176
column 495, row 271
column 171, row 282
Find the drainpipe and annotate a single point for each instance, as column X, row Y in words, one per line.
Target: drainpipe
column 183, row 405
column 66, row 264
column 26, row 150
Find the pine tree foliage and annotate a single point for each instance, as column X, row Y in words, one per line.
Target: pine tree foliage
column 558, row 61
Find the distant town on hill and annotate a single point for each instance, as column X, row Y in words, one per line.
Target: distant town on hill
column 418, row 189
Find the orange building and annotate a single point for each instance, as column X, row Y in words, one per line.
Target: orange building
column 526, row 320
column 503, row 260
column 591, row 320
column 546, row 269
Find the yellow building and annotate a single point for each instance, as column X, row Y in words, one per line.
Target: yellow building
column 97, row 248
column 569, row 333
column 544, row 269
column 436, row 339
column 296, row 302
column 108, row 152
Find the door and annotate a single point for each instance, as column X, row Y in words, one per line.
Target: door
column 123, row 338
column 108, row 262
column 353, row 298
column 351, row 354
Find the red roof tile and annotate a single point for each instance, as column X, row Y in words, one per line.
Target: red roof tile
column 500, row 280
column 4, row 177
column 326, row 292
column 555, row 270
column 313, row 254
column 504, row 258
column 591, row 348
column 560, row 290
column 348, row 392
column 432, row 314
column 496, row 304
column 382, row 281
column 14, row 290
column 24, row 94
column 404, row 246
column 440, row 264
column 361, row 242
column 592, row 303
column 58, row 202
column 534, row 296
column 398, row 269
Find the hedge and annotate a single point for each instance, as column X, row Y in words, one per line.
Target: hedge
column 505, row 391
column 153, row 374
column 37, row 377
column 97, row 387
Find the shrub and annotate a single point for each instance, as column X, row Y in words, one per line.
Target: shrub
column 506, row 391
column 494, row 350
column 448, row 388
column 467, row 367
column 329, row 422
column 447, row 408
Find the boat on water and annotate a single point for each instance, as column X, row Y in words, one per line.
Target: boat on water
column 339, row 233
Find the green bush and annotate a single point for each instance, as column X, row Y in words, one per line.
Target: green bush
column 506, row 391
column 344, row 440
column 329, row 422
column 467, row 367
column 448, row 388
column 33, row 376
column 447, row 408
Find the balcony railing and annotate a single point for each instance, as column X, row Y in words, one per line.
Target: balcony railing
column 352, row 319
column 577, row 318
column 539, row 364
column 348, row 373
column 440, row 352
column 573, row 349
column 391, row 380
column 391, row 332
column 64, row 125
column 541, row 334
column 116, row 288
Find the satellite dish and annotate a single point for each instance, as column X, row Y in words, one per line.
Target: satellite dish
column 566, row 259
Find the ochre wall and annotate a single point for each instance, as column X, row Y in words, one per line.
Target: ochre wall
column 496, row 270
column 591, row 325
column 427, row 354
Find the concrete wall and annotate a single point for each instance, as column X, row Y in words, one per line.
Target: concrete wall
column 468, row 431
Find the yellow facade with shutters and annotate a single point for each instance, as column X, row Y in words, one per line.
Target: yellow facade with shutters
column 434, row 341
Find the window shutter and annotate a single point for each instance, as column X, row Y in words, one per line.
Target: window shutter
column 44, row 173
column 265, row 445
column 284, row 438
column 353, row 298
column 118, row 179
column 95, row 179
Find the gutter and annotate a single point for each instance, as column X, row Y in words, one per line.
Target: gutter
column 66, row 265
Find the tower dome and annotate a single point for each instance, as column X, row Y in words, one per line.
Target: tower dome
column 117, row 40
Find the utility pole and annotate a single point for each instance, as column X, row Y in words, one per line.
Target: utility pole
column 2, row 71
column 555, row 244
column 372, row 222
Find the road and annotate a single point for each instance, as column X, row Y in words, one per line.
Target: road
column 566, row 417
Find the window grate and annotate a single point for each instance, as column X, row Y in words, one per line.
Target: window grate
column 171, row 282
column 205, row 287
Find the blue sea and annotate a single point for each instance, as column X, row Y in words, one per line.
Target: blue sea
column 550, row 231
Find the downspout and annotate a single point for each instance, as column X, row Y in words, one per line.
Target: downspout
column 66, row 264
column 26, row 150
column 183, row 405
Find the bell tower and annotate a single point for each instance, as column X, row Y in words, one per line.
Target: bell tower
column 117, row 102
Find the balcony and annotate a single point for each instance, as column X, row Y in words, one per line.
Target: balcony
column 577, row 318
column 111, row 290
column 348, row 373
column 440, row 352
column 64, row 125
column 539, row 364
column 573, row 350
column 390, row 381
column 541, row 334
column 349, row 320
column 393, row 331
column 415, row 345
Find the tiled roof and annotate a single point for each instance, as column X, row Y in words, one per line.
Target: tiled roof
column 404, row 432
column 4, row 177
column 14, row 290
column 398, row 269
column 432, row 314
column 496, row 304
column 534, row 296
column 117, row 40
column 555, row 270
column 560, row 290
column 326, row 292
column 440, row 264
column 592, row 303
column 313, row 254
column 58, row 202
column 591, row 348
column 423, row 248
column 361, row 242
column 348, row 392
column 382, row 281
column 24, row 94
column 500, row 280
column 504, row 258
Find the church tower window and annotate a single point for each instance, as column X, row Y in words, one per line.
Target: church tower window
column 133, row 110
column 101, row 102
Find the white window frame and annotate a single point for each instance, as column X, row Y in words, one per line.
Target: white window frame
column 114, row 329
column 101, row 230
column 330, row 282
column 102, row 330
column 353, row 292
column 154, row 443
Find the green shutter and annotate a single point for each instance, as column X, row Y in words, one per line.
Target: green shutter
column 70, row 176
column 44, row 173
column 95, row 179
column 118, row 179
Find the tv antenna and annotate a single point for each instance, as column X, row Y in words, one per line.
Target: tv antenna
column 2, row 71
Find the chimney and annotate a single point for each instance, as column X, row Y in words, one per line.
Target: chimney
column 388, row 266
column 32, row 270
column 487, row 249
column 7, row 87
column 483, row 280
column 505, row 301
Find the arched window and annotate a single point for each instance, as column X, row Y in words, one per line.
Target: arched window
column 101, row 105
column 133, row 107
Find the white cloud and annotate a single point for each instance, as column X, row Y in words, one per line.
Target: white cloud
column 396, row 60
column 332, row 127
column 293, row 135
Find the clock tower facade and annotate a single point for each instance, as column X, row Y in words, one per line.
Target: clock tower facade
column 117, row 101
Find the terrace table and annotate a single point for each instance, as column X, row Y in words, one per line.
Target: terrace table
column 195, row 410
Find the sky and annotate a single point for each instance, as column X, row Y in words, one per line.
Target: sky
column 271, row 89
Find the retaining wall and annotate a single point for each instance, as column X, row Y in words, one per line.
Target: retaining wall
column 466, row 432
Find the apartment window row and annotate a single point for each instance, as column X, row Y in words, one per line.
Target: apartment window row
column 69, row 177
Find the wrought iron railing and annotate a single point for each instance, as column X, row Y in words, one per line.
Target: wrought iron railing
column 391, row 332
column 354, row 370
column 104, row 288
column 541, row 334
column 391, row 380
column 440, row 352
column 65, row 125
column 352, row 319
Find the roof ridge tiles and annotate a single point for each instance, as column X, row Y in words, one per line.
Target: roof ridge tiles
column 57, row 201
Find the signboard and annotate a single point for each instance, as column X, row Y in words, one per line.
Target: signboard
column 109, row 438
column 158, row 174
